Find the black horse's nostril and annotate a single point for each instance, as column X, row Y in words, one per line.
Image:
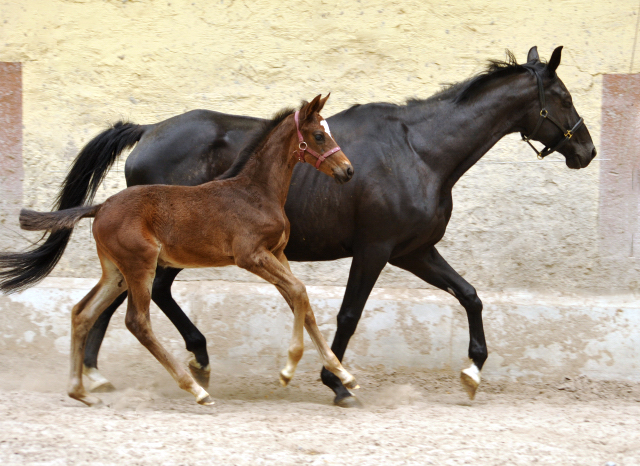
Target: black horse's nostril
column 594, row 152
column 350, row 172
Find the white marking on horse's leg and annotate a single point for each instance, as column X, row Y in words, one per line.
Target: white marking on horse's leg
column 470, row 378
column 98, row 382
column 202, row 397
column 197, row 365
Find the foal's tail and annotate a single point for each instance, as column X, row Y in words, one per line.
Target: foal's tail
column 58, row 220
column 22, row 270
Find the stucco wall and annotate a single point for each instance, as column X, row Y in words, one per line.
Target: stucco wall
column 518, row 223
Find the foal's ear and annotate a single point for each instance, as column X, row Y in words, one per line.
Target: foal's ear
column 307, row 110
column 322, row 102
column 554, row 61
column 532, row 56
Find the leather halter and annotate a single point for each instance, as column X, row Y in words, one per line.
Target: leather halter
column 544, row 115
column 304, row 147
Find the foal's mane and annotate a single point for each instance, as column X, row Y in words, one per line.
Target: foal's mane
column 470, row 88
column 255, row 143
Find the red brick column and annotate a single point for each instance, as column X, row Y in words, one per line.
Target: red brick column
column 619, row 219
column 11, row 172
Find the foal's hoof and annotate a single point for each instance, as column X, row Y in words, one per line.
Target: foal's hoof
column 352, row 384
column 206, row 401
column 284, row 380
column 87, row 399
column 348, row 402
column 200, row 375
column 469, row 383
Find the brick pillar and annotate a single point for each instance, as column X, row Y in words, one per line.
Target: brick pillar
column 620, row 169
column 11, row 172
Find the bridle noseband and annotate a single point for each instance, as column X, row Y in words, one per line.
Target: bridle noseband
column 544, row 115
column 304, row 147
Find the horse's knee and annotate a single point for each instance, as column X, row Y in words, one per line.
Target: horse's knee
column 470, row 301
column 347, row 324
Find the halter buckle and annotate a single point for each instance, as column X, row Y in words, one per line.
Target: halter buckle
column 568, row 134
column 540, row 157
column 544, row 113
column 302, row 148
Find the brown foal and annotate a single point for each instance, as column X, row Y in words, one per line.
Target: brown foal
column 237, row 220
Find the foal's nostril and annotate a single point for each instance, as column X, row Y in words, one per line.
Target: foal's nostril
column 349, row 172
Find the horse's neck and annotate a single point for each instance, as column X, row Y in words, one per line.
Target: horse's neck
column 471, row 128
column 271, row 166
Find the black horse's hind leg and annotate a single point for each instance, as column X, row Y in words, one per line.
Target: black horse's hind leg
column 365, row 270
column 195, row 341
column 432, row 268
column 92, row 348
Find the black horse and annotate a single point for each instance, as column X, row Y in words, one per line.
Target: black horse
column 407, row 159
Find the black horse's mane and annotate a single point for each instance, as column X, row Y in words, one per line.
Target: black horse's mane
column 466, row 90
column 255, row 142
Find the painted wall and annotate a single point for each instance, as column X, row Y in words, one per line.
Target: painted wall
column 518, row 223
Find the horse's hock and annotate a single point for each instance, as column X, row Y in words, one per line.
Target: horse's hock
column 552, row 252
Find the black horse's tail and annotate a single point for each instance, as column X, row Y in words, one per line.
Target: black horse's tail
column 22, row 270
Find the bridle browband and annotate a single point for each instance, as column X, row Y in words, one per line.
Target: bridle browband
column 544, row 115
column 304, row 147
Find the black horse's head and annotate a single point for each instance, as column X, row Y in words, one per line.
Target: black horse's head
column 554, row 121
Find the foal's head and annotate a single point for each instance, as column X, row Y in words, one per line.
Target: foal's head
column 318, row 146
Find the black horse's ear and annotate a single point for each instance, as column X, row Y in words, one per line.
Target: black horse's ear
column 552, row 66
column 532, row 56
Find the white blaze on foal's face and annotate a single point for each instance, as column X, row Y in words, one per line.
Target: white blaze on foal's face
column 325, row 125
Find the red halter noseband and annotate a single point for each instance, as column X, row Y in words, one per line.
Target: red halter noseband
column 303, row 147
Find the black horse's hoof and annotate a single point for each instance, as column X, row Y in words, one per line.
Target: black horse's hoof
column 201, row 376
column 348, row 402
column 103, row 388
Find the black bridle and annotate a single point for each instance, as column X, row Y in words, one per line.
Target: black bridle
column 544, row 115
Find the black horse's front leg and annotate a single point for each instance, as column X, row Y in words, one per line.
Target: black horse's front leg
column 367, row 264
column 429, row 265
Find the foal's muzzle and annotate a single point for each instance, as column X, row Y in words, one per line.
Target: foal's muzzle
column 343, row 172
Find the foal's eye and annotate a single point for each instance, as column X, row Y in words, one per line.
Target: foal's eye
column 319, row 137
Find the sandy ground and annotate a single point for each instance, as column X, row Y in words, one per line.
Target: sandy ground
column 409, row 418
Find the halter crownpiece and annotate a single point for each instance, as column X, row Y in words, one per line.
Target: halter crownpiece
column 544, row 115
column 304, row 147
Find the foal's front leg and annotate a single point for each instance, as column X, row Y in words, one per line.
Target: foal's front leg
column 264, row 264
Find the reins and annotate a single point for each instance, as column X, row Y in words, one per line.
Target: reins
column 544, row 115
column 304, row 147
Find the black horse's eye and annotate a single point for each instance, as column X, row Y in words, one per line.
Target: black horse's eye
column 319, row 137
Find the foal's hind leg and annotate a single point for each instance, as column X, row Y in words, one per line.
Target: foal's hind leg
column 83, row 316
column 99, row 383
column 139, row 324
column 264, row 264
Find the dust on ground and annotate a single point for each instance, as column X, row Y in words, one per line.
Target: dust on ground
column 409, row 417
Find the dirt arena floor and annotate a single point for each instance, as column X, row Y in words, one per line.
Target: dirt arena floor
column 409, row 418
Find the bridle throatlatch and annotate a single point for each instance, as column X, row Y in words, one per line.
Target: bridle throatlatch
column 544, row 115
column 303, row 147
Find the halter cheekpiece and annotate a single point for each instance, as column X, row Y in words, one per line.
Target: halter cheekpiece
column 544, row 115
column 304, row 147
